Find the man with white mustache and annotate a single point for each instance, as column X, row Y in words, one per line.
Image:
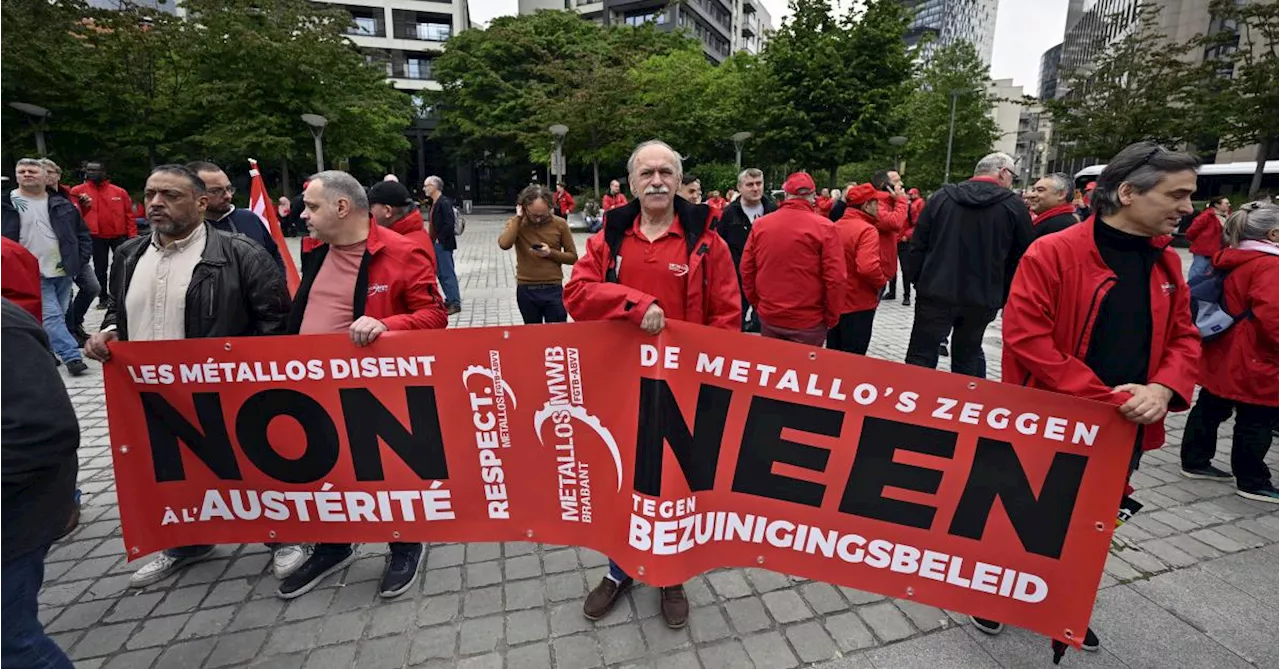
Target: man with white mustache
column 657, row 258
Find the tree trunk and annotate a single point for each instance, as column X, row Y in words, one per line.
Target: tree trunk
column 595, row 169
column 151, row 156
column 1261, row 156
column 284, row 177
column 832, row 176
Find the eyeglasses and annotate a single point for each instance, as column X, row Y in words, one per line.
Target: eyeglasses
column 1013, row 176
column 219, row 191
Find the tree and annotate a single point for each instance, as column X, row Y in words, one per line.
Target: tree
column 1242, row 107
column 1141, row 87
column 954, row 69
column 830, row 85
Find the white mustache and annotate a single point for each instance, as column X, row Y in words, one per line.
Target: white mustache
column 656, row 190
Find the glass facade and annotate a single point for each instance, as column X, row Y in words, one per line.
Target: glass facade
column 950, row 21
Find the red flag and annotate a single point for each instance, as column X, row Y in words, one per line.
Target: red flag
column 260, row 203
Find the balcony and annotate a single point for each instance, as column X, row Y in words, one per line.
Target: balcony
column 366, row 25
column 421, row 26
column 417, row 69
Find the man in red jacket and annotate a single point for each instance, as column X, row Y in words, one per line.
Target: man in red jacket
column 364, row 281
column 890, row 222
column 614, row 198
column 657, row 258
column 564, row 201
column 392, row 206
column 793, row 270
column 20, row 277
column 1101, row 311
column 1205, row 235
column 109, row 215
column 861, row 244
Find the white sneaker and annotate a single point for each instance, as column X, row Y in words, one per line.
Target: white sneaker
column 287, row 558
column 163, row 567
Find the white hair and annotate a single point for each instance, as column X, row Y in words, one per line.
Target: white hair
column 391, row 177
column 631, row 162
column 339, row 184
column 435, row 181
column 993, row 163
column 749, row 173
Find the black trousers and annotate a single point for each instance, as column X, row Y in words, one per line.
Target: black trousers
column 542, row 303
column 1250, row 440
column 903, row 249
column 853, row 333
column 101, row 249
column 934, row 320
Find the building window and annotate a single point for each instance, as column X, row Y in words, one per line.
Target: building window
column 658, row 17
column 433, row 32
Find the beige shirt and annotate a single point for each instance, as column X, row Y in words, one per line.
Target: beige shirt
column 156, row 301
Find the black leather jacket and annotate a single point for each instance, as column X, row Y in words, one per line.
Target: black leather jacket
column 236, row 290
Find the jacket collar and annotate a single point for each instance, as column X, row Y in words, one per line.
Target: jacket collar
column 1066, row 208
column 799, row 205
column 215, row 246
column 376, row 240
column 411, row 222
column 693, row 217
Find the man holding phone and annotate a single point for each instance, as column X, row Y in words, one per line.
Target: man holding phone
column 543, row 243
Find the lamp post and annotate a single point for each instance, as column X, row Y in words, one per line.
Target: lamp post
column 738, row 138
column 39, row 114
column 559, row 130
column 317, row 123
column 897, row 142
column 951, row 134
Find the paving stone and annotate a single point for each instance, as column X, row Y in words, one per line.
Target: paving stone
column 729, row 584
column 823, row 597
column 1240, row 535
column 235, row 649
column 332, row 657
column 567, row 619
column 811, row 641
column 621, row 644
column 523, row 595
column 514, row 548
column 786, row 606
column 1194, row 548
column 950, row 648
column 442, row 580
column 129, row 660
column 1142, row 561
column 434, row 643
column 257, row 613
column 560, row 561
column 353, row 596
column 490, row 661
column 79, row 616
column 1141, row 634
column 769, row 650
column 450, row 555
column 311, row 605
column 576, row 652
column 187, row 654
column 386, row 653
column 748, row 615
column 480, row 635
column 524, row 626
column 924, row 617
column 767, row 581
column 849, row 632
column 438, row 609
column 393, row 618
column 158, row 631
column 1169, row 553
column 482, row 574
column 532, row 656
column 209, row 622
column 661, row 638
column 1120, row 569
column 888, row 623
column 1242, row 624
column 563, row 587
column 227, row 592
column 1153, row 527
column 181, row 600
column 707, row 623
column 724, row 655
column 483, row 552
column 101, row 640
column 294, row 637
column 524, row 566
column 859, row 597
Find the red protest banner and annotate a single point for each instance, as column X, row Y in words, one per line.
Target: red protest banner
column 672, row 454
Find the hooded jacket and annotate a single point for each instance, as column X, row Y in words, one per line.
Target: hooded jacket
column 1205, row 234
column 1240, row 364
column 861, row 244
column 968, row 242
column 412, row 227
column 20, row 277
column 1053, row 307
column 595, row 291
column 793, row 269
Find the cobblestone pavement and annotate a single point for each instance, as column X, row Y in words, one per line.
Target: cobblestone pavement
column 1191, row 581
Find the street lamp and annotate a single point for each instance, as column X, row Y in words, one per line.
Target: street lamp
column 738, row 138
column 951, row 134
column 317, row 123
column 897, row 142
column 39, row 114
column 559, row 130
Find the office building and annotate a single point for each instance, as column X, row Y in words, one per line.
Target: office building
column 1049, row 64
column 722, row 26
column 950, row 21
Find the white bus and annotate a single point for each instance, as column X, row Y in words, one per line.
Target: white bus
column 1229, row 179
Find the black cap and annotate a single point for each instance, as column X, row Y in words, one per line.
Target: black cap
column 390, row 193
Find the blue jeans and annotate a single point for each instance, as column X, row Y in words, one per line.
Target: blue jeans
column 1200, row 265
column 616, row 573
column 88, row 290
column 541, row 303
column 448, row 277
column 23, row 642
column 55, row 292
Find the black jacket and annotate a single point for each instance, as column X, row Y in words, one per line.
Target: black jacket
column 734, row 226
column 74, row 244
column 248, row 224
column 235, row 290
column 1056, row 224
column 444, row 226
column 38, row 440
column 967, row 244
column 837, row 210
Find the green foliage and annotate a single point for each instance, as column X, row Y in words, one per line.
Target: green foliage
column 1142, row 87
column 137, row 87
column 953, row 68
column 714, row 176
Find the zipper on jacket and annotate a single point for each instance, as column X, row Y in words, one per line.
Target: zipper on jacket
column 1089, row 315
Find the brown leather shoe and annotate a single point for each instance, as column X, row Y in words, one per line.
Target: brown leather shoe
column 600, row 601
column 675, row 607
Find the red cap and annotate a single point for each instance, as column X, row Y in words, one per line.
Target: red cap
column 913, row 191
column 1090, row 186
column 799, row 183
column 862, row 193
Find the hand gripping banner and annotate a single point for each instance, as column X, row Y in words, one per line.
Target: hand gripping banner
column 674, row 455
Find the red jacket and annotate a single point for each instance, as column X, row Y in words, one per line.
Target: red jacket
column 20, row 277
column 717, row 205
column 793, row 269
column 890, row 223
column 110, row 215
column 914, row 207
column 712, row 299
column 611, row 201
column 414, row 228
column 396, row 284
column 1240, row 364
column 564, row 202
column 861, row 244
column 1050, row 314
column 824, row 205
column 1205, row 234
